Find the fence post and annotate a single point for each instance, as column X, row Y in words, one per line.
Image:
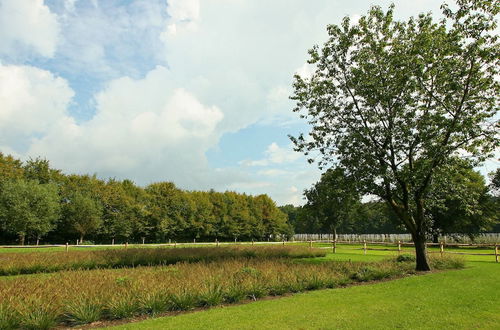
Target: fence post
column 335, row 246
column 143, row 240
column 364, row 246
column 194, row 240
column 126, row 245
column 399, row 247
column 216, row 242
column 496, row 252
column 310, row 244
column 175, row 244
column 113, row 241
column 67, row 246
column 441, row 248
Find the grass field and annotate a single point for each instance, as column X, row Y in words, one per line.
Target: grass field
column 458, row 299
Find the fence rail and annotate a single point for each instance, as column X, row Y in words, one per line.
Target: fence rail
column 452, row 238
column 399, row 245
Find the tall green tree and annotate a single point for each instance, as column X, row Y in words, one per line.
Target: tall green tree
column 83, row 214
column 495, row 181
column 10, row 168
column 39, row 169
column 29, row 208
column 202, row 222
column 136, row 201
column 118, row 214
column 461, row 203
column 333, row 200
column 169, row 209
column 394, row 101
column 274, row 221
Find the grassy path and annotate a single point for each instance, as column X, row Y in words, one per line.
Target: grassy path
column 465, row 299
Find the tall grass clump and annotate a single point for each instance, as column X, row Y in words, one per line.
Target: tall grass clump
column 31, row 263
column 84, row 310
column 447, row 261
column 9, row 317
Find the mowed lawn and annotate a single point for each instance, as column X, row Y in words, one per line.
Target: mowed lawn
column 458, row 299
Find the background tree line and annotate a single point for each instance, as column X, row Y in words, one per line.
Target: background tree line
column 38, row 202
column 462, row 205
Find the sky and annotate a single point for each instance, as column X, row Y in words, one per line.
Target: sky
column 190, row 91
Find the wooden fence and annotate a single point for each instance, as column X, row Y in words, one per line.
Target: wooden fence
column 394, row 238
column 397, row 246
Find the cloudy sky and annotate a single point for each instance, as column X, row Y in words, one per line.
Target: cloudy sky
column 190, row 91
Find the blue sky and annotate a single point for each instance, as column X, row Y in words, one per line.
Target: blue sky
column 190, row 91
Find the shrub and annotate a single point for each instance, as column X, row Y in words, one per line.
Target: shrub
column 154, row 303
column 406, row 258
column 39, row 316
column 121, row 307
column 447, row 262
column 83, row 310
column 234, row 293
column 213, row 296
column 183, row 301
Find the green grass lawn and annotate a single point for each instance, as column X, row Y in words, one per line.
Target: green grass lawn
column 463, row 299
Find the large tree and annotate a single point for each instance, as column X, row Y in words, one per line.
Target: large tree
column 460, row 202
column 83, row 213
column 393, row 101
column 333, row 200
column 29, row 208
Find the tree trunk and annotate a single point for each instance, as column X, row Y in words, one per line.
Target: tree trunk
column 334, row 233
column 21, row 239
column 81, row 239
column 435, row 238
column 420, row 251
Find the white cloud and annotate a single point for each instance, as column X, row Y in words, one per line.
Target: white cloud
column 27, row 25
column 274, row 155
column 245, row 186
column 32, row 100
column 278, row 155
column 293, row 196
column 278, row 98
column 69, row 5
column 273, row 172
column 183, row 10
column 354, row 18
column 305, row 71
column 144, row 129
column 104, row 41
column 184, row 15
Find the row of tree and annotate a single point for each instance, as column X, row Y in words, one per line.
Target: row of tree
column 462, row 205
column 37, row 201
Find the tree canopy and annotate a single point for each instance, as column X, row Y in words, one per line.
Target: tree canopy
column 393, row 101
column 332, row 200
column 38, row 201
